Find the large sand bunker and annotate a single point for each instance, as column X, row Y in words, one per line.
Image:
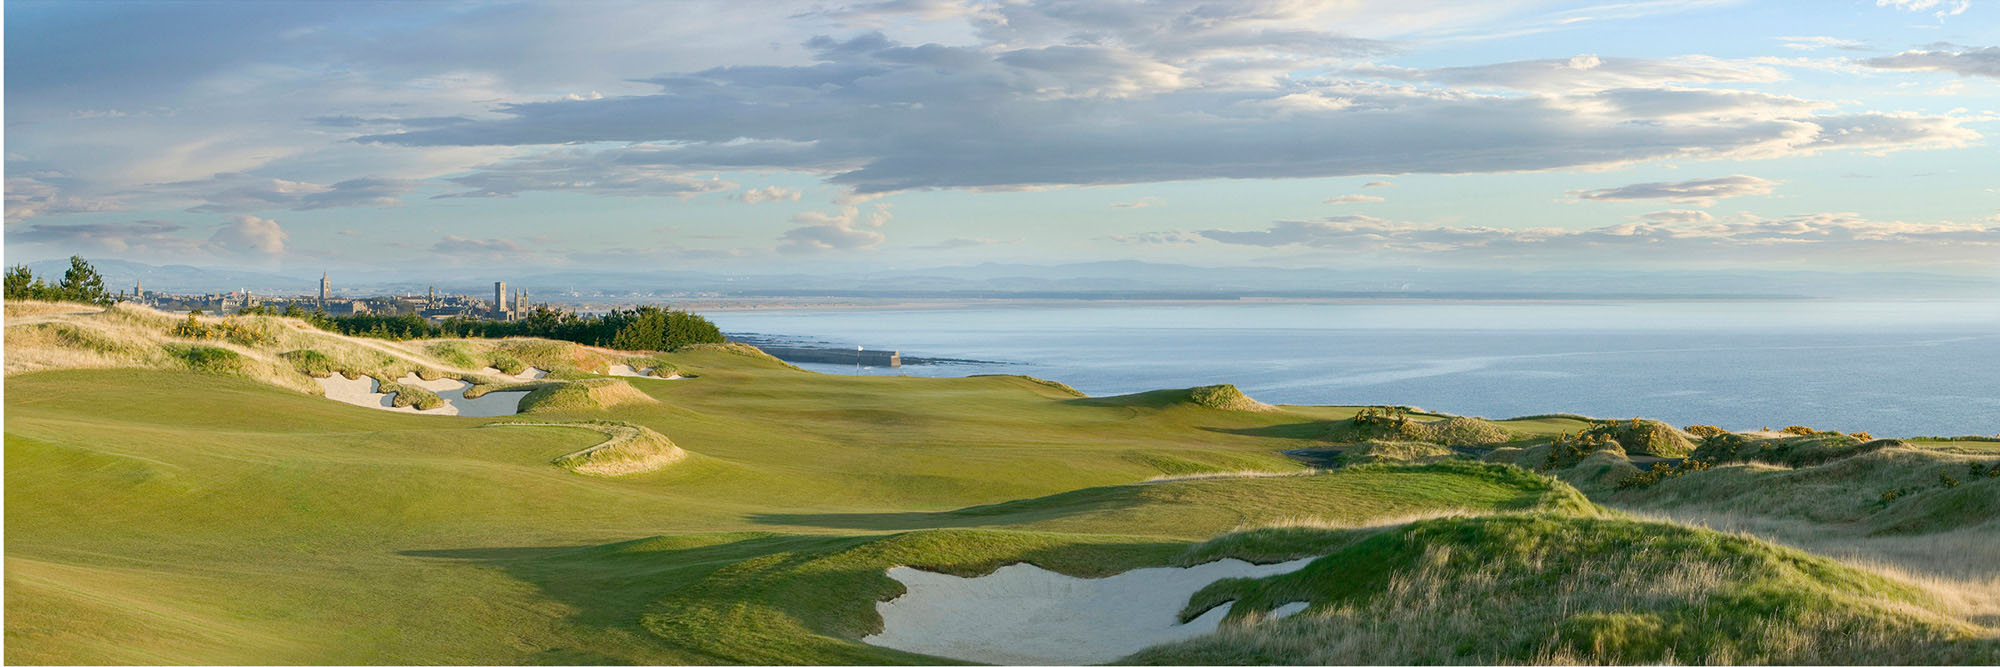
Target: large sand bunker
column 630, row 371
column 1022, row 614
column 366, row 392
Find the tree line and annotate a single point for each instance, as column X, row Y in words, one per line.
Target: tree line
column 642, row 328
column 81, row 283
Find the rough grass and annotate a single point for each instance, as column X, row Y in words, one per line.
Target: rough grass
column 593, row 395
column 1550, row 588
column 160, row 515
column 1393, row 451
column 1403, row 424
column 1794, row 451
column 1644, row 437
column 628, row 449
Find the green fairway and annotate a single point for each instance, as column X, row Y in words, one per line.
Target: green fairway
column 162, row 514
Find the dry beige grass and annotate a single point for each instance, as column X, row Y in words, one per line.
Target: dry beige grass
column 628, row 449
column 42, row 336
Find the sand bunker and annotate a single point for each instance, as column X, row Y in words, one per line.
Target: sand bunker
column 366, row 392
column 630, row 371
column 1022, row 614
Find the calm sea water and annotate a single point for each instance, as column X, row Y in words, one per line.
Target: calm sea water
column 1890, row 368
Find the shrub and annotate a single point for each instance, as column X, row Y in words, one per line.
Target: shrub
column 1800, row 430
column 1705, row 431
column 206, row 358
column 1661, row 471
column 311, row 362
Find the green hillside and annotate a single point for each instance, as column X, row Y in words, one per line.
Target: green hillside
column 159, row 511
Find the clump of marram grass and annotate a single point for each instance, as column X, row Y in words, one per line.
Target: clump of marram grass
column 1542, row 588
column 1400, row 424
column 311, row 362
column 1604, row 469
column 207, row 358
column 1643, row 436
column 1225, row 397
column 1795, row 451
column 456, row 353
column 627, row 449
column 582, row 395
column 409, row 395
column 1396, row 451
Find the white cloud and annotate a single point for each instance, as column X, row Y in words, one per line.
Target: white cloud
column 1941, row 8
column 1678, row 215
column 244, row 193
column 1819, row 237
column 1816, row 42
column 767, row 194
column 31, row 196
column 1582, row 73
column 1700, row 192
column 879, row 116
column 242, row 237
column 1142, row 202
column 848, row 229
column 603, row 172
column 250, row 235
column 1377, row 184
column 1966, row 61
column 1352, row 199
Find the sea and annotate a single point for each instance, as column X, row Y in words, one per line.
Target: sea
column 1891, row 368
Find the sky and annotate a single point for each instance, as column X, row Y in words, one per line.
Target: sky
column 1844, row 135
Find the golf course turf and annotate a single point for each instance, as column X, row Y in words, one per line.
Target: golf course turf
column 167, row 510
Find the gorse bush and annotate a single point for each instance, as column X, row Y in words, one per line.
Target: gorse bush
column 1705, row 431
column 1662, row 471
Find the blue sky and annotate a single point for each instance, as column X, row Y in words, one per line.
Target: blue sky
column 1707, row 134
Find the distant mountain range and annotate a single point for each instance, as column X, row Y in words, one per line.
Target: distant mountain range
column 1110, row 280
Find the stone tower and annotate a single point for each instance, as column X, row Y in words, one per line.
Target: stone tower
column 325, row 289
column 500, row 300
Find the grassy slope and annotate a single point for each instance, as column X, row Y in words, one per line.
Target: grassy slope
column 310, row 530
column 274, row 526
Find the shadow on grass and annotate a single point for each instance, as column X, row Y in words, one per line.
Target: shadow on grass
column 1010, row 513
column 610, row 585
column 1316, row 430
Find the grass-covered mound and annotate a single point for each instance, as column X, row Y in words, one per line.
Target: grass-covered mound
column 1601, row 470
column 1548, row 588
column 1891, row 490
column 628, row 449
column 1405, row 424
column 593, row 395
column 1224, row 397
column 1791, row 450
column 1396, row 451
column 1205, row 506
column 1642, row 437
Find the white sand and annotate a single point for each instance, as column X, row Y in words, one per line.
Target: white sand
column 1022, row 614
column 366, row 392
column 630, row 371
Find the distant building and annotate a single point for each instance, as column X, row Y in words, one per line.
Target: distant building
column 325, row 289
column 500, row 300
